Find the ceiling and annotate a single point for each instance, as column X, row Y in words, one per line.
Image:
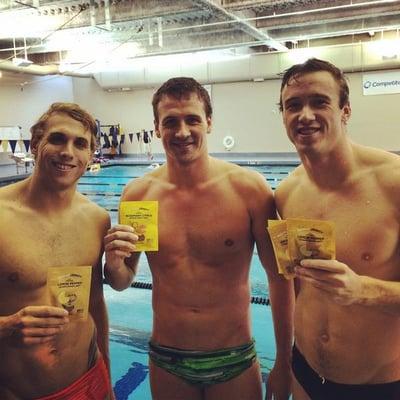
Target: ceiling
column 85, row 33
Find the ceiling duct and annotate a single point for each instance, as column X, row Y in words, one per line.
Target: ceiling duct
column 257, row 67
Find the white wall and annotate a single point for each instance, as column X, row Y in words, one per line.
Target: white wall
column 245, row 110
column 132, row 110
column 375, row 120
column 23, row 105
column 248, row 111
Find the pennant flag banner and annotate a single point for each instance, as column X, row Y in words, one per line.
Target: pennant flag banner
column 27, row 144
column 13, row 144
column 130, row 137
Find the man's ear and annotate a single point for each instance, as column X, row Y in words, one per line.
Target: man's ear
column 346, row 113
column 156, row 129
column 34, row 145
column 209, row 124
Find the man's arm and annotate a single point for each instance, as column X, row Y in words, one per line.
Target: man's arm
column 281, row 291
column 98, row 311
column 121, row 260
column 34, row 325
column 338, row 279
column 119, row 244
column 347, row 288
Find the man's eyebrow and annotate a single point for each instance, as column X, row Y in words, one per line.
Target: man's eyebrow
column 193, row 116
column 168, row 117
column 312, row 96
column 56, row 133
column 291, row 99
column 320, row 96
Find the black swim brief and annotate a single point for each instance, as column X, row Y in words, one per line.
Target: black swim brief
column 319, row 388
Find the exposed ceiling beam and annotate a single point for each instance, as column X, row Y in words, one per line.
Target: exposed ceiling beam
column 263, row 37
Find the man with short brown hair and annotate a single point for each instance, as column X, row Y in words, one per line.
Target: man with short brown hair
column 347, row 318
column 45, row 223
column 211, row 213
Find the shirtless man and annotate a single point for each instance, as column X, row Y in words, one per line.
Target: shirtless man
column 347, row 317
column 45, row 223
column 210, row 215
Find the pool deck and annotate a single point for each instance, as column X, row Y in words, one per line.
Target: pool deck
column 9, row 173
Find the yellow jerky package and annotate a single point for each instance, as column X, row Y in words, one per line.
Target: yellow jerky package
column 69, row 288
column 310, row 238
column 278, row 233
column 273, row 222
column 143, row 217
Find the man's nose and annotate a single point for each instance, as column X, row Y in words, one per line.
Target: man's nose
column 183, row 131
column 306, row 114
column 67, row 149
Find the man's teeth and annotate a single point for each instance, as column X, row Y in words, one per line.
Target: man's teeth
column 64, row 167
column 307, row 131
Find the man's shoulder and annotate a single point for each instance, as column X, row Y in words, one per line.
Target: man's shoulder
column 240, row 174
column 384, row 166
column 137, row 188
column 83, row 203
column 11, row 192
column 379, row 162
column 249, row 184
column 291, row 181
column 374, row 156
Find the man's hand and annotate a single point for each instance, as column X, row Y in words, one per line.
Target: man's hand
column 119, row 243
column 332, row 277
column 34, row 324
column 279, row 382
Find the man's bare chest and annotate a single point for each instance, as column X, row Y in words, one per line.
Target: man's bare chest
column 28, row 251
column 366, row 227
column 203, row 228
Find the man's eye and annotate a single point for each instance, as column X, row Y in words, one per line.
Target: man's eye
column 320, row 103
column 192, row 120
column 169, row 123
column 81, row 143
column 56, row 138
column 292, row 106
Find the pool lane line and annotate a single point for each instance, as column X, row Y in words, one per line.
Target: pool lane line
column 149, row 286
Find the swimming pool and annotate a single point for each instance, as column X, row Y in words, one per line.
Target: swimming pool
column 130, row 311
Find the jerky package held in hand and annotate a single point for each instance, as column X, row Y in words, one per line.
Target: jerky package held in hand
column 310, row 238
column 278, row 233
column 69, row 288
column 142, row 216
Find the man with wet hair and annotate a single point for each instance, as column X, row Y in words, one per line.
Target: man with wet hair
column 211, row 213
column 46, row 223
column 347, row 315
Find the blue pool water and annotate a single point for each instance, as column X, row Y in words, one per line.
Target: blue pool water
column 130, row 311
